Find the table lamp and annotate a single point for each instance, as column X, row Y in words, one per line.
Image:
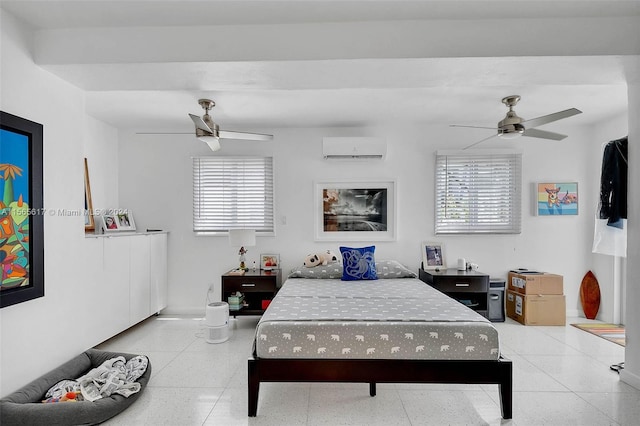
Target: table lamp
column 242, row 238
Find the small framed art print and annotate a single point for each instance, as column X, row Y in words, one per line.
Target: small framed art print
column 269, row 261
column 556, row 198
column 432, row 256
column 118, row 221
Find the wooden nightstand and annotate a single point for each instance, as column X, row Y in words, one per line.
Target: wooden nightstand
column 471, row 288
column 256, row 286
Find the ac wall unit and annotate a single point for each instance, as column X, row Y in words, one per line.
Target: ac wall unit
column 354, row 148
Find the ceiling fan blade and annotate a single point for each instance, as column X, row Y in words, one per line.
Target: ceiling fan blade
column 472, row 127
column 535, row 133
column 229, row 134
column 200, row 124
column 535, row 122
column 164, row 133
column 480, row 141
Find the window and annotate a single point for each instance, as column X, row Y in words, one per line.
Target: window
column 233, row 193
column 478, row 193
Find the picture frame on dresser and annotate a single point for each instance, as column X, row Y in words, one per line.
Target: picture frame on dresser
column 269, row 261
column 125, row 220
column 433, row 256
column 118, row 221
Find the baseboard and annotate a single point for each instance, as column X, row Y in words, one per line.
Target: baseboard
column 574, row 313
column 200, row 311
column 630, row 378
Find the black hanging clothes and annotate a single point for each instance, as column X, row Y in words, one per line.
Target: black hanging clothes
column 613, row 182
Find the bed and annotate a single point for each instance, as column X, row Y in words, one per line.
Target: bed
column 392, row 330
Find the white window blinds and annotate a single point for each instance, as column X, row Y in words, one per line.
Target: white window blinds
column 233, row 193
column 478, row 193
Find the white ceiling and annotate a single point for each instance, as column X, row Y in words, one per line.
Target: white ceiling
column 270, row 64
column 124, row 13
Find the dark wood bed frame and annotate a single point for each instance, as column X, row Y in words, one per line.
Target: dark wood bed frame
column 381, row 371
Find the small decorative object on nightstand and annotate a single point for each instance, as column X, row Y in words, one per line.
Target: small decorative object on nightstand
column 257, row 287
column 242, row 238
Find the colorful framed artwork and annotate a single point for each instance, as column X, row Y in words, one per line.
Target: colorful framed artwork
column 269, row 261
column 21, row 210
column 556, row 199
column 118, row 221
column 355, row 211
column 433, row 256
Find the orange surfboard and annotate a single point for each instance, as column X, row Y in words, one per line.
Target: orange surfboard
column 590, row 295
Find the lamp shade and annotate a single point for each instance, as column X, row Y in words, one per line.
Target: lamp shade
column 242, row 237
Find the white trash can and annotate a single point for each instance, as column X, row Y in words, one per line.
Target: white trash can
column 216, row 322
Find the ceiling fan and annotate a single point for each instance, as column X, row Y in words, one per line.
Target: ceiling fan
column 210, row 133
column 513, row 126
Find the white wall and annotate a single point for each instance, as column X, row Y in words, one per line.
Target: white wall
column 101, row 153
column 42, row 333
column 161, row 197
column 631, row 373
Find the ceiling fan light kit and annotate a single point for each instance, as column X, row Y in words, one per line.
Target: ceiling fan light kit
column 209, row 132
column 212, row 141
column 512, row 126
column 206, row 130
column 512, row 132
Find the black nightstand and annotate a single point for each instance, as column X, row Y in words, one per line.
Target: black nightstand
column 258, row 287
column 471, row 288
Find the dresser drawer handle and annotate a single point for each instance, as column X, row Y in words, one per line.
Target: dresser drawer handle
column 462, row 284
column 248, row 285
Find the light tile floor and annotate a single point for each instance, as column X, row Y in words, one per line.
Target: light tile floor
column 561, row 377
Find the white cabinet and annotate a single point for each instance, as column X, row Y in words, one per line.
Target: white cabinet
column 129, row 282
column 158, row 272
column 107, row 306
column 148, row 275
column 115, row 295
column 139, row 273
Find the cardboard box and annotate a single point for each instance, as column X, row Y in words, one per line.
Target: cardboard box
column 535, row 283
column 536, row 309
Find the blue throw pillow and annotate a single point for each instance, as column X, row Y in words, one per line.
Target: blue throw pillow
column 358, row 263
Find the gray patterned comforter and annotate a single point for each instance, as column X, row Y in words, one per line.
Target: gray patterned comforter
column 383, row 319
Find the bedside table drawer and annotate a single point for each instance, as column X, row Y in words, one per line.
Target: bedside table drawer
column 470, row 288
column 243, row 284
column 461, row 284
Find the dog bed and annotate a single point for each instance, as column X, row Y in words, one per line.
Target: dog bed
column 24, row 406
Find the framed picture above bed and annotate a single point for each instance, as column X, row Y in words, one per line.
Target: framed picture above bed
column 433, row 256
column 355, row 210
